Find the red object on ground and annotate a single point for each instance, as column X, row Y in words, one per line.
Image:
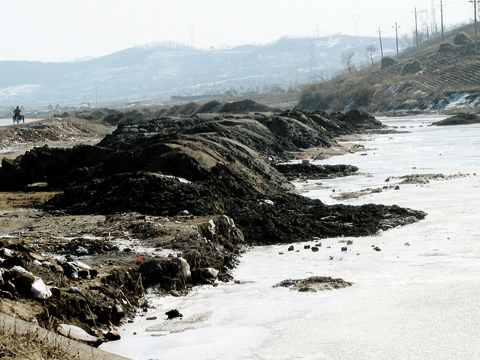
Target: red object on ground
column 305, row 160
column 139, row 260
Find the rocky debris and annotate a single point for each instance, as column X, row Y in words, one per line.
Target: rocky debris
column 314, row 172
column 314, row 284
column 459, row 119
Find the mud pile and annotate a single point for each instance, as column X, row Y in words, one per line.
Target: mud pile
column 212, row 166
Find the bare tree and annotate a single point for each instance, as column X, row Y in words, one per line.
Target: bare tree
column 347, row 61
column 370, row 51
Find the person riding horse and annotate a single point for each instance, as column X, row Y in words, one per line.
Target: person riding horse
column 17, row 115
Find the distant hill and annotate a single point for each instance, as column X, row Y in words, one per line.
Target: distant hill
column 158, row 71
column 436, row 75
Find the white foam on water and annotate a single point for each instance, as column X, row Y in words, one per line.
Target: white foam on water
column 406, row 302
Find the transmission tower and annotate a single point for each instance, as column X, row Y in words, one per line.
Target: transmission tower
column 356, row 18
column 191, row 28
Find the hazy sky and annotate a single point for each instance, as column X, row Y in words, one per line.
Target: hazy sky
column 63, row 30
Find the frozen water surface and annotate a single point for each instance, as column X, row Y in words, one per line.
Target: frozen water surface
column 407, row 302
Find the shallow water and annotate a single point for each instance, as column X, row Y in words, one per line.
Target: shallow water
column 414, row 301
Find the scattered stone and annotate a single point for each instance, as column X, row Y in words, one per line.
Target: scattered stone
column 344, row 248
column 376, row 248
column 291, row 248
column 315, row 249
column 151, row 318
column 407, row 244
column 349, row 242
column 306, row 247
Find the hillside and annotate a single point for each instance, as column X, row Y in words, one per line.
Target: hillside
column 158, row 71
column 435, row 76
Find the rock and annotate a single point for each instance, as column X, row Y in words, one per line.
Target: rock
column 349, row 242
column 76, row 333
column 306, row 247
column 376, row 248
column 291, row 248
column 23, row 283
column 151, row 318
column 407, row 244
column 112, row 335
column 344, row 248
column 315, row 249
column 172, row 314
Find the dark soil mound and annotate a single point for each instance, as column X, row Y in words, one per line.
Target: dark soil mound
column 225, row 170
column 310, row 171
column 459, row 119
column 448, row 48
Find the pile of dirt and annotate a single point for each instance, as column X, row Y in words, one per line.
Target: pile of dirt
column 459, row 119
column 53, row 129
column 461, row 38
column 206, row 167
column 448, row 48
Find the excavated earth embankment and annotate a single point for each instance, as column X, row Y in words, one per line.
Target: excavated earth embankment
column 197, row 189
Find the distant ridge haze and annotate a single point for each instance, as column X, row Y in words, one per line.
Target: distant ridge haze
column 158, row 71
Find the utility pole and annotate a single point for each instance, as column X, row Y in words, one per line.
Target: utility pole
column 195, row 85
column 416, row 27
column 441, row 18
column 433, row 20
column 396, row 34
column 380, row 36
column 475, row 17
column 96, row 98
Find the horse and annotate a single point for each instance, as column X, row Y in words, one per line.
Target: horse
column 18, row 118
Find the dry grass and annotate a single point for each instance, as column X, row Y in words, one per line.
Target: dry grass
column 32, row 344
